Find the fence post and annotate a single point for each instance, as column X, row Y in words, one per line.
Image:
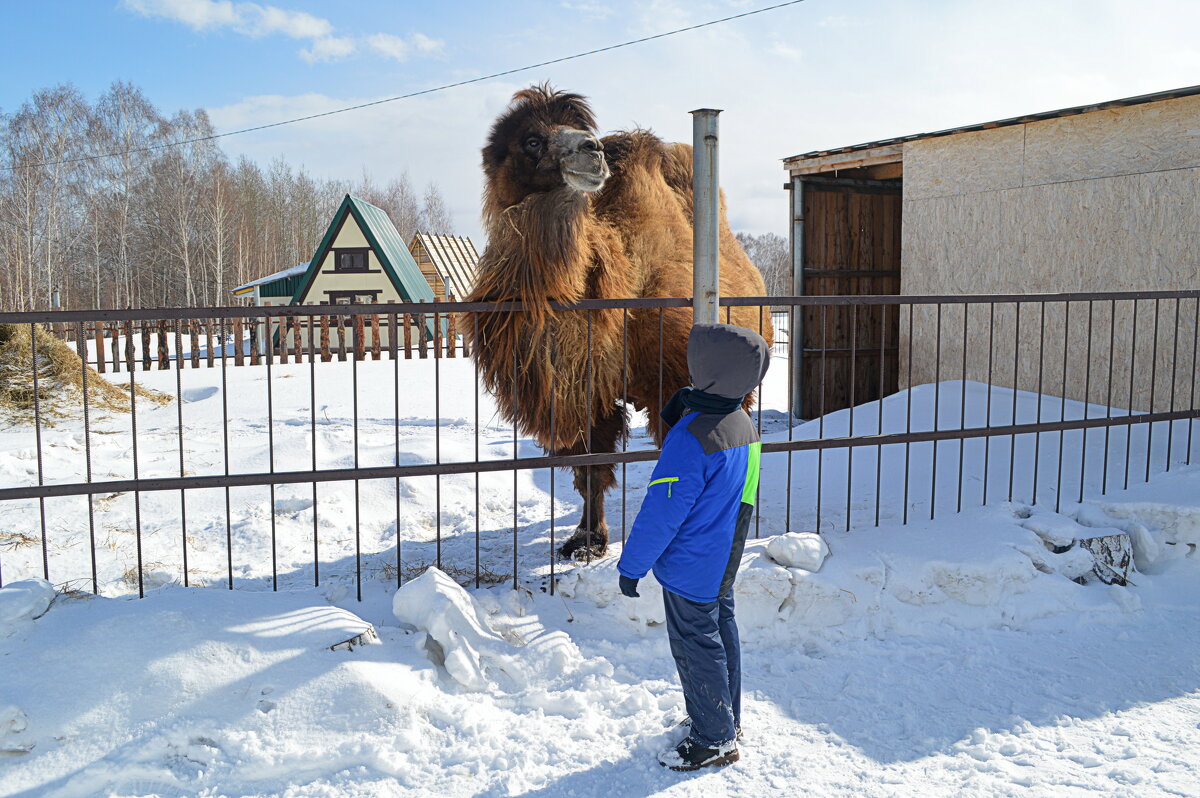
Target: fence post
column 422, row 335
column 359, row 342
column 116, row 347
column 325, row 356
column 706, row 294
column 796, row 314
column 282, row 332
column 194, row 338
column 255, row 326
column 374, row 336
column 98, row 330
column 81, row 342
column 164, row 358
column 239, row 357
column 297, row 345
column 341, row 334
column 451, row 333
column 408, row 336
column 130, row 359
column 393, row 335
column 145, row 326
column 208, row 342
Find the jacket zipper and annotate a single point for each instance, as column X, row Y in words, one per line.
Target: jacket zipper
column 667, row 480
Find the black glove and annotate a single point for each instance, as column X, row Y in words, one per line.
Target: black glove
column 629, row 587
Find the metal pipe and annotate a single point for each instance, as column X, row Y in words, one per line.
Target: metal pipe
column 796, row 315
column 706, row 212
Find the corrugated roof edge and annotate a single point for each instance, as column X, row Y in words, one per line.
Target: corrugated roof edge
column 1173, row 94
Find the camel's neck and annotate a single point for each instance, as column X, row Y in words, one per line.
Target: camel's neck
column 539, row 249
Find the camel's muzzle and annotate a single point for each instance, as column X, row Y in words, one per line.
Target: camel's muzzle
column 580, row 156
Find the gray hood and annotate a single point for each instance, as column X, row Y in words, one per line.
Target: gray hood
column 726, row 360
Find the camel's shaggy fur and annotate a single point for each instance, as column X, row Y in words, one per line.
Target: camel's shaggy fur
column 548, row 240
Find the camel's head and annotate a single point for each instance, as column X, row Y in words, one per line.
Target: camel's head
column 545, row 140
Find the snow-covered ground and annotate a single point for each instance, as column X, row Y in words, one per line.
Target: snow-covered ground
column 946, row 657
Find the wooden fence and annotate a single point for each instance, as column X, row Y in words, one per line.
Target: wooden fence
column 147, row 344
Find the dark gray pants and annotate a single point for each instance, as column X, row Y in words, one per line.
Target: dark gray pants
column 708, row 654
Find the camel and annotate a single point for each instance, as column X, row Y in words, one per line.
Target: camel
column 571, row 216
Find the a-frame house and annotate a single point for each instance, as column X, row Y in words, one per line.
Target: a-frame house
column 363, row 259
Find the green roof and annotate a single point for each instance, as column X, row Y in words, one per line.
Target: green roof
column 389, row 247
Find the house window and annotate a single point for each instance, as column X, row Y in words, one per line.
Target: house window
column 353, row 297
column 350, row 260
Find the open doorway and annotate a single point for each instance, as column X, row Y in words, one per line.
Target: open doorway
column 846, row 242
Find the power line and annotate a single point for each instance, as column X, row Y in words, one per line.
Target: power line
column 410, row 95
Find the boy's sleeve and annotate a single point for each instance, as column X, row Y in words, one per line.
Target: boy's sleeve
column 676, row 483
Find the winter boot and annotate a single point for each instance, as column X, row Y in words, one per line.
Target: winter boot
column 690, row 755
column 686, row 725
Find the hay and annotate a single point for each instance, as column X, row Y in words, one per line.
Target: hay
column 60, row 378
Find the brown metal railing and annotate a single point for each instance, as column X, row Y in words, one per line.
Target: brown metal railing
column 1092, row 347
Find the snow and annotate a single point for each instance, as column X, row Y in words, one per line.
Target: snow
column 950, row 656
column 805, row 550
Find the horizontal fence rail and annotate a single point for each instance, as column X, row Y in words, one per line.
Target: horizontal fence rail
column 877, row 409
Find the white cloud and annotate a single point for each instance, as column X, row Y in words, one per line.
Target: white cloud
column 329, row 48
column 593, row 10
column 255, row 20
column 399, row 48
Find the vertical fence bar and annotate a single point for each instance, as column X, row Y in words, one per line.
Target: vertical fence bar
column 907, row 412
column 475, row 337
column 987, row 413
column 1153, row 385
column 81, row 344
column 1087, row 401
column 516, row 406
column 658, row 416
column 853, row 382
column 1195, row 372
column 1016, row 387
column 356, row 332
column 821, row 418
column 1063, row 403
column 879, row 418
column 271, row 442
column 589, row 506
column 937, row 389
column 437, row 430
column 1037, row 436
column 1112, row 356
column 791, row 410
column 392, row 345
column 225, row 440
column 624, row 405
column 962, row 407
column 137, row 495
column 312, row 409
column 1129, row 408
column 37, row 429
column 1174, row 376
column 179, row 428
column 553, row 442
column 759, row 401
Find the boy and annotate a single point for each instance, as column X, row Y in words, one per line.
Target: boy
column 691, row 530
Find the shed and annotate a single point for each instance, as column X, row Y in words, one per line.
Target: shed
column 1100, row 197
column 448, row 262
column 274, row 289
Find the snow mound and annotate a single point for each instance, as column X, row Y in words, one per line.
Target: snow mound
column 998, row 567
column 12, row 723
column 455, row 634
column 23, row 601
column 806, row 550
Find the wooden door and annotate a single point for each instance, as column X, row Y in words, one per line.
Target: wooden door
column 851, row 247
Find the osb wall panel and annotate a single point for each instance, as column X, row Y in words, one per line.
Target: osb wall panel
column 967, row 163
column 1093, row 350
column 1138, row 230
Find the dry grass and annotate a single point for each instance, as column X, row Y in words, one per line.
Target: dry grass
column 15, row 540
column 60, row 378
column 386, row 572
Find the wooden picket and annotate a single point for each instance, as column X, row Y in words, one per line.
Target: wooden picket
column 325, row 356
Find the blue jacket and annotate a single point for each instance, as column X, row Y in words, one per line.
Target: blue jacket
column 692, row 526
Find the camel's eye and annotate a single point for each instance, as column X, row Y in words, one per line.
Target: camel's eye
column 533, row 144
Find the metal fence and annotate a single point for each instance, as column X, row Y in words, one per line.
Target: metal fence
column 1024, row 398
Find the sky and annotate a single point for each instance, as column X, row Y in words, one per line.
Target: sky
column 820, row 74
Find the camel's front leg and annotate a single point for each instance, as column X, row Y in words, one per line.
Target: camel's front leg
column 593, row 482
